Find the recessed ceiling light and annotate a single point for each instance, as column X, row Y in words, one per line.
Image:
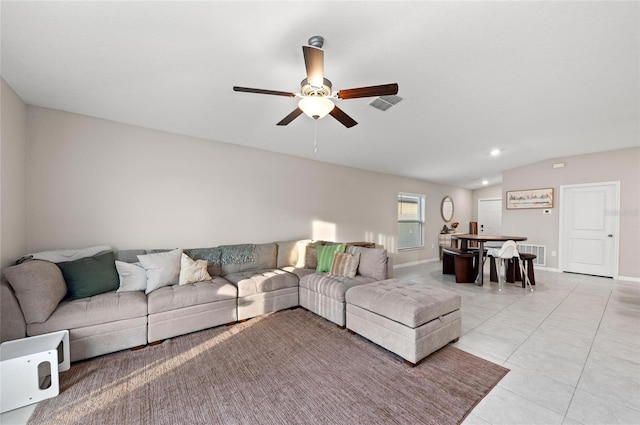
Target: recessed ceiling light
column 485, row 182
column 495, row 152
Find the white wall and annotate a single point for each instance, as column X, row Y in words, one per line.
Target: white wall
column 13, row 229
column 92, row 181
column 619, row 165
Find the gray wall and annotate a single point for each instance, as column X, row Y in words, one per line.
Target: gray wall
column 494, row 191
column 619, row 165
column 13, row 228
column 92, row 181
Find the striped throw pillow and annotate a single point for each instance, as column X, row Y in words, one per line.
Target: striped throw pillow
column 345, row 264
column 325, row 256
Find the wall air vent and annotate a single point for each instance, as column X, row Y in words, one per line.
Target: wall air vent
column 385, row 102
column 540, row 251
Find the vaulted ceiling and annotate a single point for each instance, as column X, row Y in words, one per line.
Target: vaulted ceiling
column 536, row 80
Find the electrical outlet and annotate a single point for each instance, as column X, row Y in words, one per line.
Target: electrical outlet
column 432, row 246
column 553, row 253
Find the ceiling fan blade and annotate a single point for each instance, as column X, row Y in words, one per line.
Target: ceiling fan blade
column 261, row 91
column 382, row 90
column 292, row 116
column 341, row 116
column 314, row 62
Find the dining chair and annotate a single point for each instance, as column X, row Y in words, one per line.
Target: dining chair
column 508, row 251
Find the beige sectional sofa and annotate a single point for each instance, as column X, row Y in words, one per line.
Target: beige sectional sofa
column 276, row 276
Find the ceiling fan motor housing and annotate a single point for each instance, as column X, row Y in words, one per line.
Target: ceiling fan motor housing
column 307, row 89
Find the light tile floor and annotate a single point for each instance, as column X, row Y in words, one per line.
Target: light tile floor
column 573, row 348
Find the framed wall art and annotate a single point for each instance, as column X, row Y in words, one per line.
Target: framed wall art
column 529, row 198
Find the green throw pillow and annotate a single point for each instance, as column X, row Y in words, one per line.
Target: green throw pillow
column 325, row 255
column 90, row 276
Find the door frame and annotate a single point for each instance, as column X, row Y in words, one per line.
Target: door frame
column 616, row 225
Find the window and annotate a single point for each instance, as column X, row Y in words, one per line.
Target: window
column 410, row 221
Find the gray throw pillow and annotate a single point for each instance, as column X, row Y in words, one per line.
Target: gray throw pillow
column 133, row 276
column 39, row 287
column 373, row 261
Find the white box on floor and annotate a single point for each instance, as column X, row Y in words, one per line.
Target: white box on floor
column 29, row 368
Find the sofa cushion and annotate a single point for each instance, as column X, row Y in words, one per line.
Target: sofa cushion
column 192, row 271
column 308, row 254
column 412, row 304
column 96, row 310
column 39, row 287
column 298, row 272
column 133, row 276
column 162, row 268
column 12, row 323
column 260, row 281
column 288, row 253
column 332, row 286
column 373, row 261
column 325, row 256
column 90, row 276
column 174, row 297
column 264, row 257
column 345, row 264
column 211, row 255
column 129, row 255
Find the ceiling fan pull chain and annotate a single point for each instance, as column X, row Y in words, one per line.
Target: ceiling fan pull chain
column 315, row 138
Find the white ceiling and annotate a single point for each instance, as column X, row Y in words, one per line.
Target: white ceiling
column 537, row 80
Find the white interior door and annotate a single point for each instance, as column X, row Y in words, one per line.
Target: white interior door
column 589, row 226
column 490, row 216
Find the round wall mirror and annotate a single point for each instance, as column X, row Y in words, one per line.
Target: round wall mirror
column 446, row 209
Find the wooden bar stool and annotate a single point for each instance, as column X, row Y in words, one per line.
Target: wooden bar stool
column 528, row 265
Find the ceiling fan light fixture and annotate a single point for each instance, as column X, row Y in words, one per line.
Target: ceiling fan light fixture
column 316, row 107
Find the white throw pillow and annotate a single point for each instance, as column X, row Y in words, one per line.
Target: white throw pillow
column 162, row 269
column 133, row 276
column 192, row 271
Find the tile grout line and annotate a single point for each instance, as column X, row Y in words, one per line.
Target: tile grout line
column 588, row 353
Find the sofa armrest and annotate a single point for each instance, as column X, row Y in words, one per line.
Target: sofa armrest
column 12, row 323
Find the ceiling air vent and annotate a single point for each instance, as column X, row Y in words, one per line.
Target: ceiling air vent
column 385, row 102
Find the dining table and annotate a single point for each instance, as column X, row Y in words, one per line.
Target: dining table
column 465, row 238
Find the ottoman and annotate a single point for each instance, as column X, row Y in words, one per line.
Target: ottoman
column 409, row 319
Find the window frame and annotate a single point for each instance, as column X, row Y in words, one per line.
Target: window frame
column 421, row 202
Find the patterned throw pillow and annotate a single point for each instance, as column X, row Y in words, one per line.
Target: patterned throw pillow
column 325, row 256
column 192, row 271
column 344, row 264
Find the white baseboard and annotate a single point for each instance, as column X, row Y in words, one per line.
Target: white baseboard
column 415, row 263
column 556, row 270
column 547, row 269
column 629, row 279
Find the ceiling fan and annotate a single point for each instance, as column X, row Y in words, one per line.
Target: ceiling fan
column 316, row 97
